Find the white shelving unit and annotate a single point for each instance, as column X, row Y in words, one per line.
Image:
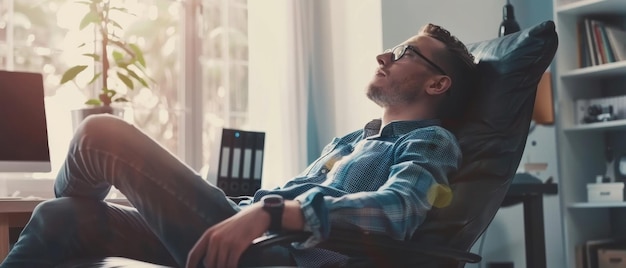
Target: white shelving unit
column 582, row 148
column 598, row 205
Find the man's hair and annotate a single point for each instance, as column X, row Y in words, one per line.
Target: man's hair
column 459, row 64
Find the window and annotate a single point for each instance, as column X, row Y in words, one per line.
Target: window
column 224, row 67
column 39, row 36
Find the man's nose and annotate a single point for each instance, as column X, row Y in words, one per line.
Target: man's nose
column 383, row 58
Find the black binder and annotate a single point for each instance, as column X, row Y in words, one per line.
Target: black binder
column 241, row 162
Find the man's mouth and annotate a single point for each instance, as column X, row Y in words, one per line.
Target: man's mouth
column 380, row 72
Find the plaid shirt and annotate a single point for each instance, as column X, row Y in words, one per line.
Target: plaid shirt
column 377, row 181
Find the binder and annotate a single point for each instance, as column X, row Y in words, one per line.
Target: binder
column 240, row 162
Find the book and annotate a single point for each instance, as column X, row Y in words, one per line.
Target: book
column 617, row 38
column 581, row 256
column 597, row 38
column 608, row 49
column 584, row 56
column 581, row 46
column 591, row 42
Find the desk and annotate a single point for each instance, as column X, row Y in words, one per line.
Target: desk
column 16, row 213
column 531, row 196
column 13, row 213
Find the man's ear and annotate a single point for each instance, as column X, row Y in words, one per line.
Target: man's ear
column 439, row 85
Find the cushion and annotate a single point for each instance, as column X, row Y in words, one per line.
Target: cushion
column 497, row 123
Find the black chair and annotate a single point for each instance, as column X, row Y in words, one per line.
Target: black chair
column 492, row 136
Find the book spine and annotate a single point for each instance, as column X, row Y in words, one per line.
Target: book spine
column 590, row 42
column 601, row 54
column 583, row 49
column 608, row 49
column 617, row 38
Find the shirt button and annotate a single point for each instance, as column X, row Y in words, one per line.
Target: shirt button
column 324, row 170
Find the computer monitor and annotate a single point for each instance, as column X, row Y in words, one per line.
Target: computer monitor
column 23, row 126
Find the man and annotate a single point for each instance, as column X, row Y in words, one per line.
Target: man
column 383, row 179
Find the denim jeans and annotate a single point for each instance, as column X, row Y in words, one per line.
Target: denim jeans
column 172, row 204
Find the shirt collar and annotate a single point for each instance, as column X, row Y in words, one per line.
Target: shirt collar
column 396, row 128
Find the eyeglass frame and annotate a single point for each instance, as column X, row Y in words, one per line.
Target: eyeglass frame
column 414, row 50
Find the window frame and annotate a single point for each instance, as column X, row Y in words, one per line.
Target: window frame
column 190, row 133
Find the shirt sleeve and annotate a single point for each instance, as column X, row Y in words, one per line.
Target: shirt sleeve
column 418, row 180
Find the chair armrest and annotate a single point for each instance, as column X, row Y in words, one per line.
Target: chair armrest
column 356, row 243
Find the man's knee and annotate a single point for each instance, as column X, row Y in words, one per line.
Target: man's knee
column 65, row 211
column 101, row 124
column 53, row 210
column 52, row 216
column 102, row 130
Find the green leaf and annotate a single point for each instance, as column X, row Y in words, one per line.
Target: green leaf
column 115, row 24
column 89, row 18
column 93, row 102
column 81, row 45
column 138, row 54
column 145, row 74
column 122, row 9
column 121, row 99
column 95, row 56
column 109, row 92
column 95, row 77
column 134, row 75
column 118, row 57
column 125, row 80
column 71, row 73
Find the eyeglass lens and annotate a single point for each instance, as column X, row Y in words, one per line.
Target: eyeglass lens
column 398, row 52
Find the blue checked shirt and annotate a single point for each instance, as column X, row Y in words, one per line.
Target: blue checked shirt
column 377, row 181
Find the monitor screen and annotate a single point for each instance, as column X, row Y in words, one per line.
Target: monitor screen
column 23, row 128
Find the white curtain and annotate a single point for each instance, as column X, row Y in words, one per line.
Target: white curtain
column 279, row 38
column 309, row 63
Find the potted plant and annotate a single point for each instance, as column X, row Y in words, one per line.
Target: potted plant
column 115, row 61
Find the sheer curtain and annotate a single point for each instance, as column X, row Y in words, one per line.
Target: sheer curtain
column 309, row 63
column 279, row 37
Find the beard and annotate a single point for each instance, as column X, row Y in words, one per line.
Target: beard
column 393, row 96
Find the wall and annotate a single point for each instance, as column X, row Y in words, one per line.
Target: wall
column 347, row 41
column 479, row 20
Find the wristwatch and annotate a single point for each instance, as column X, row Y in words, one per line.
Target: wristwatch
column 274, row 205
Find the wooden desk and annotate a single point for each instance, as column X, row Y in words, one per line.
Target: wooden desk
column 16, row 213
column 531, row 196
column 13, row 213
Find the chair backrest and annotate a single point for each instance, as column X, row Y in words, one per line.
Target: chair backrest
column 493, row 134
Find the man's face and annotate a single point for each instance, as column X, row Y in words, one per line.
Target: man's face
column 404, row 80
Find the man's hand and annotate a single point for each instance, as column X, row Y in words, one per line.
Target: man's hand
column 223, row 244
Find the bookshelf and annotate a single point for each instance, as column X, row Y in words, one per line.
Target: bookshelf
column 586, row 150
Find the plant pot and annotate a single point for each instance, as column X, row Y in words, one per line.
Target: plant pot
column 80, row 114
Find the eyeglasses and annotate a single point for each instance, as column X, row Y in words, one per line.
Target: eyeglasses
column 399, row 51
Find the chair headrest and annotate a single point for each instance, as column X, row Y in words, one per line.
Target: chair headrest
column 493, row 134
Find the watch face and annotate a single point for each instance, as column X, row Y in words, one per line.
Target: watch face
column 272, row 200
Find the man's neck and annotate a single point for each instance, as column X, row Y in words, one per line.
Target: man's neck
column 397, row 113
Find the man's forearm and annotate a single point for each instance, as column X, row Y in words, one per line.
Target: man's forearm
column 293, row 219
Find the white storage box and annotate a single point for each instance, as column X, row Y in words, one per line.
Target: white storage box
column 611, row 258
column 605, row 192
